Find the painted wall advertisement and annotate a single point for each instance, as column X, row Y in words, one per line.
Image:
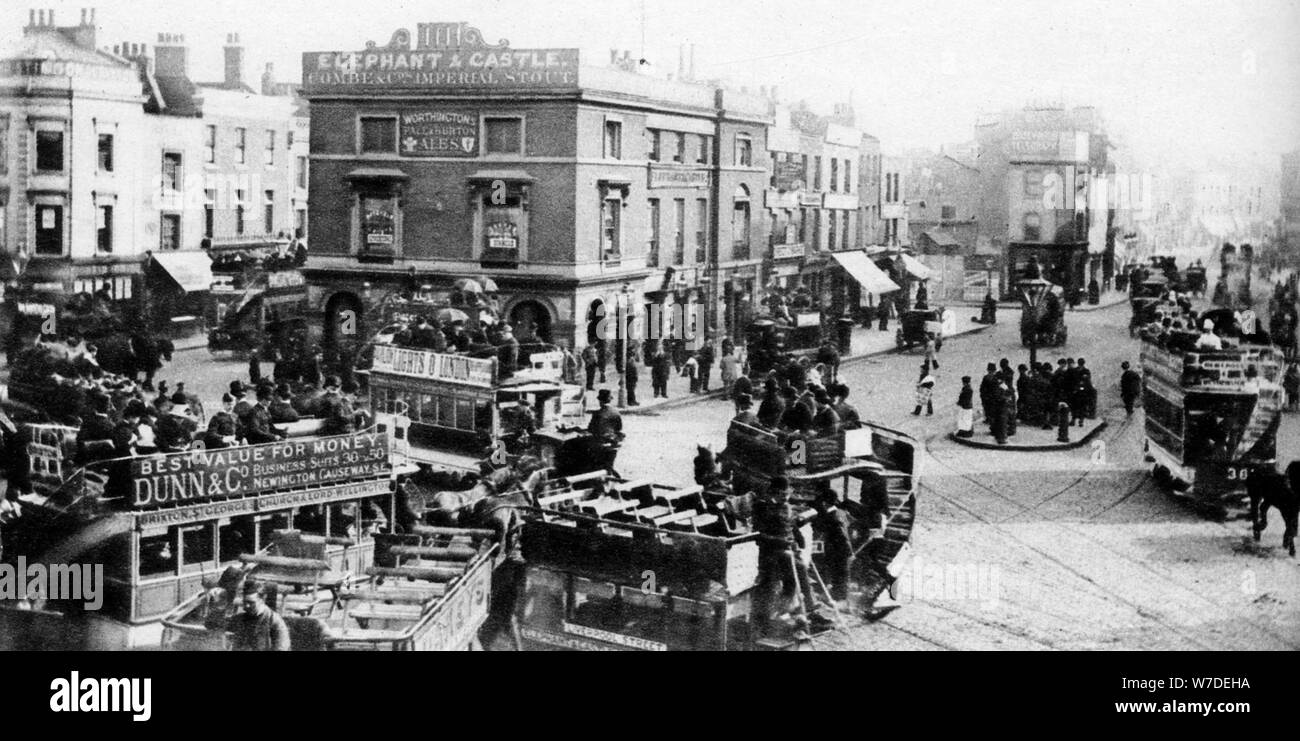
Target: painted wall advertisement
column 380, row 69
column 439, row 134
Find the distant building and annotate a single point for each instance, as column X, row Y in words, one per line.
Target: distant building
column 119, row 168
column 1290, row 200
column 1035, row 165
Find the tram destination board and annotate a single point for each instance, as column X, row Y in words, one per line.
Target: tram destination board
column 199, row 476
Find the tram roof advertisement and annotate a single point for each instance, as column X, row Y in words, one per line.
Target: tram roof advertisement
column 198, row 476
column 446, row 56
column 405, row 361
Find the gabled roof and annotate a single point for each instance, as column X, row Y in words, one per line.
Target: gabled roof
column 51, row 43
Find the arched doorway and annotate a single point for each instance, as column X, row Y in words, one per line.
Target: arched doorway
column 344, row 321
column 531, row 322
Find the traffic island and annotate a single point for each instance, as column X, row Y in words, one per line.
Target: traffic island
column 1032, row 438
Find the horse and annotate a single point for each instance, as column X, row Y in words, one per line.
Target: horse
column 1270, row 488
column 455, row 508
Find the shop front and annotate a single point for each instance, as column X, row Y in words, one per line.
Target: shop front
column 176, row 291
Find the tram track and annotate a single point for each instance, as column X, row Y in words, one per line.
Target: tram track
column 970, row 479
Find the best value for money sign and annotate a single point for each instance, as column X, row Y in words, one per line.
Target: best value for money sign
column 199, row 476
column 439, row 134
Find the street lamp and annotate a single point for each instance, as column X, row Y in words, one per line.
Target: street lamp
column 624, row 304
column 1032, row 291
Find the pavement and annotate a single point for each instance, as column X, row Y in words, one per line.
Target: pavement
column 868, row 342
column 1029, row 438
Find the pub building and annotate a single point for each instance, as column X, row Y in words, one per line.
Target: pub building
column 162, row 526
column 575, row 188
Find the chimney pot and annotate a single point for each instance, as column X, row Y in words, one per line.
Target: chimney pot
column 83, row 16
column 31, row 16
column 51, row 16
column 92, row 15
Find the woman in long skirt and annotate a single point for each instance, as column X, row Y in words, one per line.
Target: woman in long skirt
column 965, row 409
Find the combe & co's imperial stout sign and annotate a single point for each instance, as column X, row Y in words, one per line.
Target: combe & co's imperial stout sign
column 200, row 476
column 446, row 55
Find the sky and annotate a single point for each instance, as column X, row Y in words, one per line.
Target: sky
column 1183, row 80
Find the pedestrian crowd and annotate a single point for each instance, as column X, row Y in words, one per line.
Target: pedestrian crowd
column 1042, row 396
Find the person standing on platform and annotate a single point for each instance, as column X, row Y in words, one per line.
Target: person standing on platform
column 705, row 358
column 254, row 367
column 988, row 393
column 729, row 368
column 691, row 370
column 660, row 368
column 965, row 409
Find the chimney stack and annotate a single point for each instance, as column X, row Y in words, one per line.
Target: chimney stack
column 268, row 80
column 171, row 56
column 234, row 61
column 84, row 34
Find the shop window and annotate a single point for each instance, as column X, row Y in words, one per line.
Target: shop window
column 49, row 151
column 158, row 555
column 502, row 135
column 378, row 134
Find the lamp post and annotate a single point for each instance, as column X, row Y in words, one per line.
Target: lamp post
column 624, row 304
column 1032, row 291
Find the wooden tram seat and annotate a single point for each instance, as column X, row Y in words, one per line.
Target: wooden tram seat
column 454, row 554
column 473, row 533
column 589, row 477
column 606, row 506
column 675, row 517
column 396, row 596
column 629, row 488
column 672, row 496
column 416, row 573
column 555, row 501
column 648, row 514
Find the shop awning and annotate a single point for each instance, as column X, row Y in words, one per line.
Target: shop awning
column 192, row 271
column 865, row 272
column 916, row 267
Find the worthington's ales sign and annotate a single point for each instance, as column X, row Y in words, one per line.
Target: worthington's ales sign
column 197, row 476
column 445, row 56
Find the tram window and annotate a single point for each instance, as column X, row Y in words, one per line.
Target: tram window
column 374, row 514
column 234, row 538
column 482, row 415
column 310, row 520
column 427, row 407
column 343, row 518
column 197, row 547
column 464, row 414
column 269, row 524
column 446, row 413
column 158, row 554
